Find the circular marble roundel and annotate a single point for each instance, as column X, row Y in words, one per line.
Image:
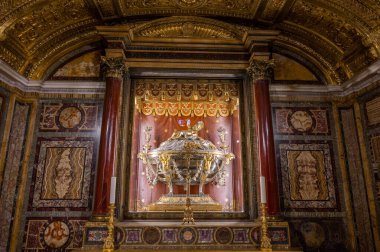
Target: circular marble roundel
column 313, row 234
column 256, row 235
column 56, row 234
column 70, row 117
column 187, row 235
column 151, row 235
column 301, row 121
column 223, row 235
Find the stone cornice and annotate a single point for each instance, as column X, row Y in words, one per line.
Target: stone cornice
column 359, row 82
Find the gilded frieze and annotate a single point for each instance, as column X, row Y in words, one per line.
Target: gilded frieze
column 272, row 9
column 239, row 8
column 327, row 23
column 186, row 98
column 28, row 29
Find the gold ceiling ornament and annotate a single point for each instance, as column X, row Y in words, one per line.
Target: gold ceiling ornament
column 191, row 3
column 260, row 69
column 184, row 26
column 34, row 26
column 186, row 97
column 186, row 159
column 327, row 23
column 28, row 27
column 273, row 8
column 114, row 67
column 233, row 8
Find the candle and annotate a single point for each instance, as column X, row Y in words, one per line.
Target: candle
column 113, row 190
column 263, row 192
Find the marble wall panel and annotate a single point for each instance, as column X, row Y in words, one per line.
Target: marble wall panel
column 12, row 170
column 53, row 234
column 318, row 234
column 64, row 173
column 373, row 111
column 301, row 120
column 4, row 100
column 357, row 181
column 74, row 117
column 308, row 180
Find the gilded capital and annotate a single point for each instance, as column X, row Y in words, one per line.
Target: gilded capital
column 114, row 67
column 260, row 69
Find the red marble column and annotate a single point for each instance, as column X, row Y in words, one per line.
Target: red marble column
column 259, row 72
column 109, row 134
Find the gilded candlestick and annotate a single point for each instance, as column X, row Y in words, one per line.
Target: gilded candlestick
column 109, row 243
column 265, row 240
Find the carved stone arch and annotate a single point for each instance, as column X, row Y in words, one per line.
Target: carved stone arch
column 184, row 27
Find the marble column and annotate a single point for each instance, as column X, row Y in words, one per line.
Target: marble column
column 115, row 69
column 259, row 71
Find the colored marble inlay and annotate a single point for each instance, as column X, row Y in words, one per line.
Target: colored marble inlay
column 12, row 171
column 53, row 234
column 95, row 235
column 133, row 236
column 373, row 111
column 240, row 235
column 63, row 177
column 56, row 234
column 278, row 235
column 151, row 235
column 34, row 228
column 63, row 173
column 169, row 235
column 223, row 235
column 205, row 235
column 375, row 146
column 61, row 117
column 301, row 121
column 187, row 235
column 307, row 176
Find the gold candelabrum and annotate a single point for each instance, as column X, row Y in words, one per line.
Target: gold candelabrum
column 109, row 243
column 265, row 240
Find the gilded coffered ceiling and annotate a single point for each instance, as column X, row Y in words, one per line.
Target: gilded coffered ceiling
column 338, row 37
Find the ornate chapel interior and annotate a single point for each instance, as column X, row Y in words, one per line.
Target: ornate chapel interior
column 218, row 125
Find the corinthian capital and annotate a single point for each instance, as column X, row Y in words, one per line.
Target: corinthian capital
column 114, row 67
column 260, row 69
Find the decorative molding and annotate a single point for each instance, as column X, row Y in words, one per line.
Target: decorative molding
column 359, row 82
